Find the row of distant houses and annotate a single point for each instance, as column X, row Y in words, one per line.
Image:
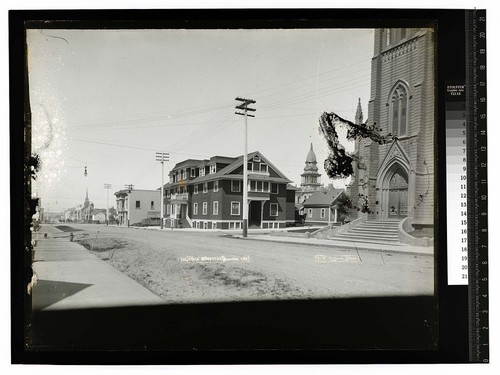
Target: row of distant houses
column 208, row 194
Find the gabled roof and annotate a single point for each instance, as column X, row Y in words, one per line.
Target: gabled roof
column 234, row 165
column 323, row 197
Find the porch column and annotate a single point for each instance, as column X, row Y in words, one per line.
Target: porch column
column 335, row 215
column 261, row 213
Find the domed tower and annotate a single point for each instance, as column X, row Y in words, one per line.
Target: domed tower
column 311, row 179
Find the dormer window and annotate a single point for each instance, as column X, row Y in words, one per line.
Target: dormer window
column 202, row 171
column 256, row 159
column 263, row 168
column 193, row 172
column 213, row 168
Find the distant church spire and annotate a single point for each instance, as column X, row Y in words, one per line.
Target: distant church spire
column 359, row 114
column 311, row 178
column 87, row 202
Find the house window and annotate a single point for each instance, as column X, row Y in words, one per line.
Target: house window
column 184, row 174
column 195, row 208
column 323, row 213
column 213, row 168
column 196, row 189
column 235, row 208
column 168, row 209
column 256, row 158
column 216, row 186
column 274, row 209
column 193, row 172
column 205, row 208
column 215, row 208
column 310, row 213
column 274, row 188
column 202, row 171
column 263, row 167
column 265, row 186
column 235, row 185
column 138, row 205
column 205, row 225
column 398, row 110
column 152, row 205
column 214, row 225
column 205, row 187
column 250, row 166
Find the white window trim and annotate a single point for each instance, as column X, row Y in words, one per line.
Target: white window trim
column 213, row 168
column 205, row 187
column 193, row 172
column 309, row 212
column 215, row 208
column 271, row 209
column 216, row 186
column 202, row 171
column 196, row 189
column 195, row 209
column 239, row 208
column 250, row 164
column 205, row 208
column 323, row 213
column 267, row 168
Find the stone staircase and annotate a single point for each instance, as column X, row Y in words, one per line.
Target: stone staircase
column 183, row 223
column 380, row 232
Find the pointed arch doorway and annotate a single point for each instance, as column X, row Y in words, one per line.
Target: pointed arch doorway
column 398, row 194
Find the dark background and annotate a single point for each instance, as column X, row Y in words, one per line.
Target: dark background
column 366, row 330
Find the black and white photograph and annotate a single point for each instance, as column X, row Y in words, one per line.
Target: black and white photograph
column 151, row 141
column 217, row 186
column 187, row 166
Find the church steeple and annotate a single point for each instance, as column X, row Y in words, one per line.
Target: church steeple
column 311, row 177
column 87, row 202
column 359, row 114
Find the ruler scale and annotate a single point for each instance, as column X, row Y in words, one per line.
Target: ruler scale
column 477, row 186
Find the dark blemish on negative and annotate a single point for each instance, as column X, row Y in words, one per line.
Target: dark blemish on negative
column 338, row 164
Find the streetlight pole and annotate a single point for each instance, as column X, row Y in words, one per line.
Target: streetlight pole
column 162, row 157
column 244, row 107
column 107, row 187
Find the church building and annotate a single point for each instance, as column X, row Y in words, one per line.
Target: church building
column 310, row 178
column 396, row 180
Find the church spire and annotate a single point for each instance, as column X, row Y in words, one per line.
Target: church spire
column 359, row 114
column 87, row 202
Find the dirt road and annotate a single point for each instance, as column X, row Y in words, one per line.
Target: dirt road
column 188, row 266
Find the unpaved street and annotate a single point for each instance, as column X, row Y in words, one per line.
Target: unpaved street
column 189, row 266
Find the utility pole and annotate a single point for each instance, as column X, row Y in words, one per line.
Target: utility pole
column 129, row 188
column 107, row 187
column 162, row 157
column 244, row 107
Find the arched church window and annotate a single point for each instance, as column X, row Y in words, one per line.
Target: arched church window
column 398, row 110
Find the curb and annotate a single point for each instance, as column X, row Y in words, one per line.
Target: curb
column 335, row 246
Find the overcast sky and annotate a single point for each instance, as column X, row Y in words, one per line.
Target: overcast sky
column 109, row 99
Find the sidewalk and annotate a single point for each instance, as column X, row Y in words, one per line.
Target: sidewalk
column 71, row 277
column 405, row 249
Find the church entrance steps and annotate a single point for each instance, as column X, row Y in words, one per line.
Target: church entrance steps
column 380, row 232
